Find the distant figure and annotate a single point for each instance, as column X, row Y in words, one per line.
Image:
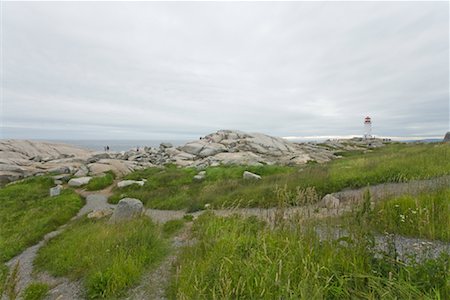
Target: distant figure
column 104, row 148
column 107, row 148
column 137, row 149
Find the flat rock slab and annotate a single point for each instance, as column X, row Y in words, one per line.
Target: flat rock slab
column 127, row 209
column 76, row 182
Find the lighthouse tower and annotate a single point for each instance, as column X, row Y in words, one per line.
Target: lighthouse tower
column 367, row 128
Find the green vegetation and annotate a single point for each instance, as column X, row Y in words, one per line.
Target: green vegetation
column 172, row 188
column 109, row 257
column 28, row 213
column 101, row 182
column 426, row 215
column 35, row 291
column 172, row 226
column 237, row 258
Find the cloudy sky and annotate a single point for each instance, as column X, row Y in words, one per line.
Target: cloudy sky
column 151, row 70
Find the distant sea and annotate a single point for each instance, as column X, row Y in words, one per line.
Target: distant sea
column 119, row 145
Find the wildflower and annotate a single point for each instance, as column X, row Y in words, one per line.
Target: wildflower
column 396, row 206
column 207, row 206
column 402, row 218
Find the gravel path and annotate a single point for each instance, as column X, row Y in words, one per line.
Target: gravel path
column 62, row 288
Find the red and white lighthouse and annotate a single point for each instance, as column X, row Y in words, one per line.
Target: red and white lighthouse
column 367, row 127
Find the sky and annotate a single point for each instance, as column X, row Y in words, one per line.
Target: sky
column 180, row 70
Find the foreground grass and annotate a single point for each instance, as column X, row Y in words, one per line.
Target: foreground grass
column 426, row 215
column 237, row 258
column 101, row 182
column 109, row 258
column 173, row 188
column 27, row 213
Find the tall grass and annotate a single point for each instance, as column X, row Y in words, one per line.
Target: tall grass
column 108, row 257
column 425, row 215
column 173, row 188
column 238, row 258
column 27, row 213
column 101, row 182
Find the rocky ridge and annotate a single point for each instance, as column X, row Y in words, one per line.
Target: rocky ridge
column 21, row 158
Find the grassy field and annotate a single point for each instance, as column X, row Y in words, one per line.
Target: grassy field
column 28, row 213
column 110, row 258
column 101, row 182
column 237, row 258
column 173, row 188
column 426, row 215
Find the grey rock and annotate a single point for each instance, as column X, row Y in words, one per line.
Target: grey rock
column 329, row 201
column 82, row 171
column 55, row 191
column 96, row 157
column 127, row 209
column 447, row 137
column 60, row 170
column 250, row 176
column 165, row 145
column 200, row 176
column 100, row 213
column 76, row 182
column 62, row 177
column 57, row 182
column 193, row 147
column 125, row 183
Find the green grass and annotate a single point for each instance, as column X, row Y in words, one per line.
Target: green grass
column 173, row 226
column 35, row 291
column 101, row 182
column 237, row 258
column 27, row 213
column 174, row 188
column 110, row 258
column 425, row 215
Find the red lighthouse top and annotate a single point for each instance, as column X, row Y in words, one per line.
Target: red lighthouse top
column 367, row 120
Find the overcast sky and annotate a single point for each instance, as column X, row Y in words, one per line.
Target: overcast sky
column 151, row 70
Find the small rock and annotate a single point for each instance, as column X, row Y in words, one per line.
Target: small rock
column 125, row 183
column 100, row 213
column 199, row 177
column 250, row 176
column 76, row 182
column 55, row 191
column 330, row 201
column 127, row 209
column 57, row 182
column 62, row 177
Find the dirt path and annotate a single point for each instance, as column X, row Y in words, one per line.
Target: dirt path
column 62, row 288
column 154, row 283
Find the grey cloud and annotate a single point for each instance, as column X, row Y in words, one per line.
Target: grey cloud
column 153, row 69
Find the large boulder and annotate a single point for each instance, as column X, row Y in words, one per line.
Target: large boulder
column 193, row 147
column 127, row 209
column 447, row 137
column 77, row 182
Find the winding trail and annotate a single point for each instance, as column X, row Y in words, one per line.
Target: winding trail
column 154, row 283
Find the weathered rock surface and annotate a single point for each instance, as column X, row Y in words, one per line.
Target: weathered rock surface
column 77, row 182
column 20, row 159
column 250, row 176
column 127, row 209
